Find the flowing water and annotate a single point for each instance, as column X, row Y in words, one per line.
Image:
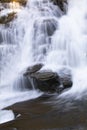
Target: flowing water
column 42, row 33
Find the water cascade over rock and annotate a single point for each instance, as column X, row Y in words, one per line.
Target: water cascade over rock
column 42, row 34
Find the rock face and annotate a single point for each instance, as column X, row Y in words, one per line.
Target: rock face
column 48, row 81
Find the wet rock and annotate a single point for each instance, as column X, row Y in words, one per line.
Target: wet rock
column 61, row 3
column 33, row 69
column 66, row 77
column 7, row 18
column 47, row 26
column 46, row 81
column 43, row 30
column 50, row 25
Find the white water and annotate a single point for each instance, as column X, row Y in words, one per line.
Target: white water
column 6, row 115
column 30, row 39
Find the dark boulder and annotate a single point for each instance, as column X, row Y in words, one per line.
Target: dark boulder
column 46, row 81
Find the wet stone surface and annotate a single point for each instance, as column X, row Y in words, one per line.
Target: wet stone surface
column 49, row 113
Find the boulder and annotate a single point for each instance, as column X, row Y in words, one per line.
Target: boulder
column 48, row 81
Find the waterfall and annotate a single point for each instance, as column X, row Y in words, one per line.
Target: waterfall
column 42, row 33
column 73, row 42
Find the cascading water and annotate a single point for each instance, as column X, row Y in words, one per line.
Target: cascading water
column 26, row 41
column 41, row 34
column 74, row 43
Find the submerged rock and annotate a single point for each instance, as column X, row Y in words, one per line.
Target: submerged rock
column 49, row 26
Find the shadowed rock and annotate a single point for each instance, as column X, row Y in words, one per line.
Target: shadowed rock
column 7, row 18
column 46, row 81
